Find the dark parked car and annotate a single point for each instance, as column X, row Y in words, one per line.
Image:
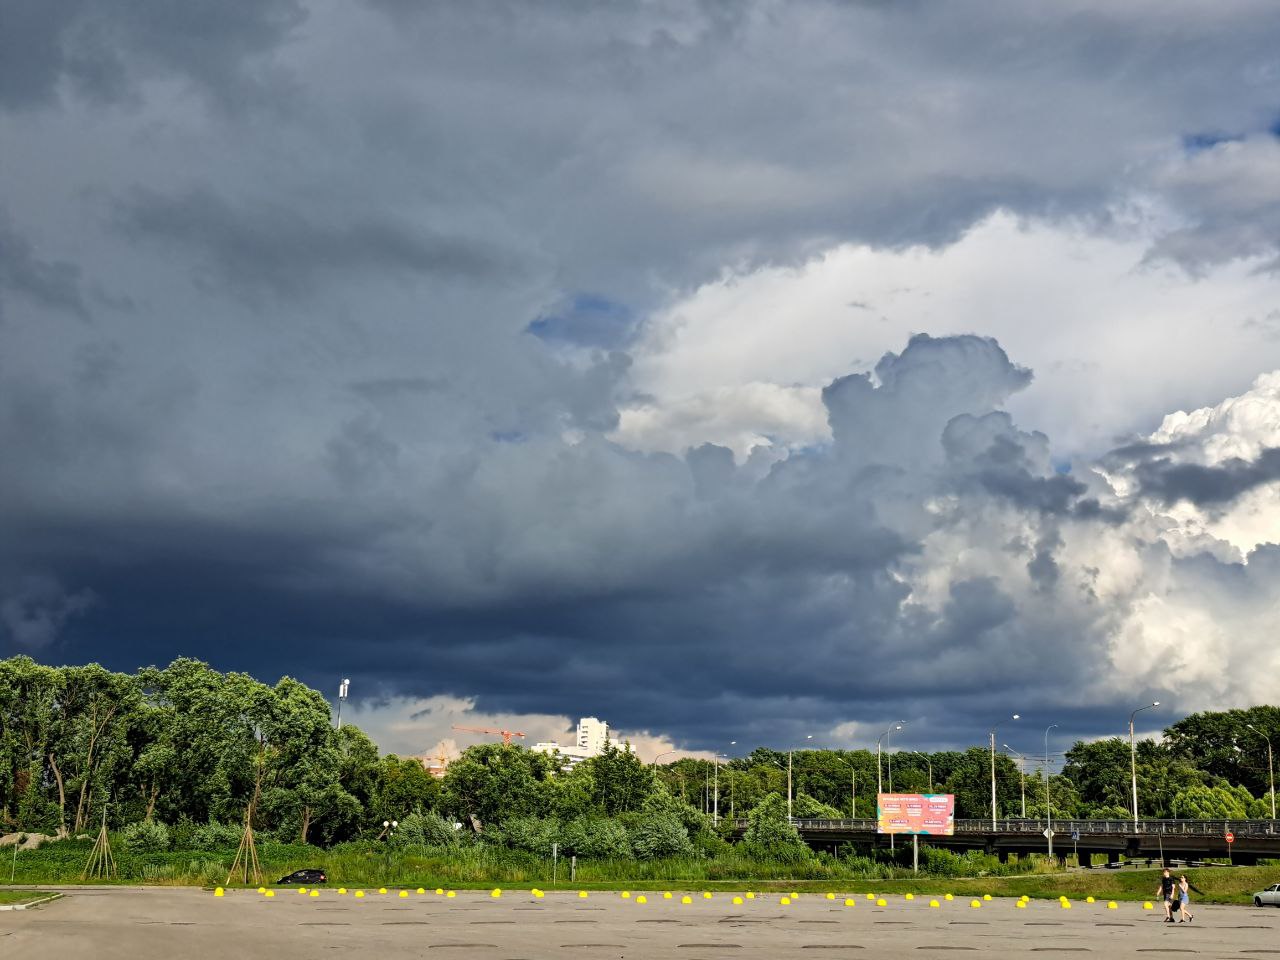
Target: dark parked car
column 304, row 876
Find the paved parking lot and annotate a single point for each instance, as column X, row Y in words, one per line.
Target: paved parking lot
column 172, row 923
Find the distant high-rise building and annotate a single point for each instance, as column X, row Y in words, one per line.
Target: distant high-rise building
column 593, row 736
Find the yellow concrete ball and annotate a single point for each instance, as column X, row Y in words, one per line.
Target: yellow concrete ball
column 934, row 903
column 831, row 896
column 302, row 889
column 538, row 894
column 219, row 892
column 986, row 896
column 750, row 895
column 850, row 902
column 1147, row 906
column 262, row 889
column 315, row 893
column 359, row 894
column 269, row 893
column 882, row 903
column 450, row 895
column 1021, row 904
column 342, row 890
column 1089, row 900
column 871, row 896
column 948, row 897
column 1066, row 905
column 382, row 889
column 626, row 894
column 785, row 901
column 666, row 895
column 495, row 893
column 975, row 904
column 686, row 899
column 737, row 901
column 642, row 899
column 439, row 891
column 795, row 896
column 706, row 895
column 910, row 896
column 421, row 890
column 1112, row 905
column 582, row 894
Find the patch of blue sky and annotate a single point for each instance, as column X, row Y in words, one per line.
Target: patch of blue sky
column 587, row 320
column 1198, row 142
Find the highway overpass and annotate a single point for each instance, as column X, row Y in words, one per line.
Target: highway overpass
column 1095, row 841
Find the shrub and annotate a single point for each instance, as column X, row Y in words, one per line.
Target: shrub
column 146, row 837
column 531, row 834
column 770, row 836
column 655, row 835
column 596, row 838
column 217, row 836
column 425, row 830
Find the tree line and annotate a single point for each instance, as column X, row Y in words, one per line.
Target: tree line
column 190, row 747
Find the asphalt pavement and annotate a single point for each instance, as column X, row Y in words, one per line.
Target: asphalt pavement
column 104, row 923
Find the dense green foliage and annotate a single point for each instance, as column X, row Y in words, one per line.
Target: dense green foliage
column 173, row 758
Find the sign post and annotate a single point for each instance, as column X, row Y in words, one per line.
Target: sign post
column 1231, row 838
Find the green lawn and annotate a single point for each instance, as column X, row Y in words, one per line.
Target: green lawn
column 22, row 896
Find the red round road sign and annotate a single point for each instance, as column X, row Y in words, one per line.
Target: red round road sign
column 1231, row 837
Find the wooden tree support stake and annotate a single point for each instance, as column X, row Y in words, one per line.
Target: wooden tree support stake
column 101, row 865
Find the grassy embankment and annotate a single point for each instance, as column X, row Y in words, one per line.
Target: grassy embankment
column 480, row 867
column 9, row 897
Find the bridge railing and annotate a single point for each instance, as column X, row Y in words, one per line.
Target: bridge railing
column 1176, row 828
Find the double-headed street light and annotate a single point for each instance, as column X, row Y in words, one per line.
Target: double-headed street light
column 1133, row 760
column 716, row 815
column 994, row 727
column 928, row 760
column 343, row 688
column 884, row 737
column 1271, row 767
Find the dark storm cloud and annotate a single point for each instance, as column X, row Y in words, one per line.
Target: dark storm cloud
column 1206, row 486
column 376, row 439
column 55, row 284
column 269, row 247
column 102, row 50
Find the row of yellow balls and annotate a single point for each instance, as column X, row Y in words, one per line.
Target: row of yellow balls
column 737, row 901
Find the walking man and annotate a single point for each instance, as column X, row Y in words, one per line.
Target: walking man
column 1165, row 892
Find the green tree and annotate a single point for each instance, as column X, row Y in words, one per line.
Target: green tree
column 770, row 835
column 493, row 782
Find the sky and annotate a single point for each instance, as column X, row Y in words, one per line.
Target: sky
column 736, row 372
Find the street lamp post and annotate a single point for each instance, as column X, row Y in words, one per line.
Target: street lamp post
column 1048, row 805
column 1022, row 773
column 343, row 687
column 715, row 818
column 879, row 739
column 1271, row 767
column 853, row 787
column 928, row 762
column 1133, row 760
column 807, row 736
column 994, row 727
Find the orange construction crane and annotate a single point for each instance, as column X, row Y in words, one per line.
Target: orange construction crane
column 506, row 735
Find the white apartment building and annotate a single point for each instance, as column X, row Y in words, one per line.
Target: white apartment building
column 592, row 738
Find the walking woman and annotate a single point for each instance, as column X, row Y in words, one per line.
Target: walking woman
column 1184, row 899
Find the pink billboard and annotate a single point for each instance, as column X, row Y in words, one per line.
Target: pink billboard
column 924, row 813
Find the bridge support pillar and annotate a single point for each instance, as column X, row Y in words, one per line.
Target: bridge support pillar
column 1086, row 859
column 1003, row 855
column 1113, row 856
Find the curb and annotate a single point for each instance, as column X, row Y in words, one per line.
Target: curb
column 31, row 903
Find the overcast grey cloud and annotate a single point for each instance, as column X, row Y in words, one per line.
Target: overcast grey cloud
column 319, row 324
